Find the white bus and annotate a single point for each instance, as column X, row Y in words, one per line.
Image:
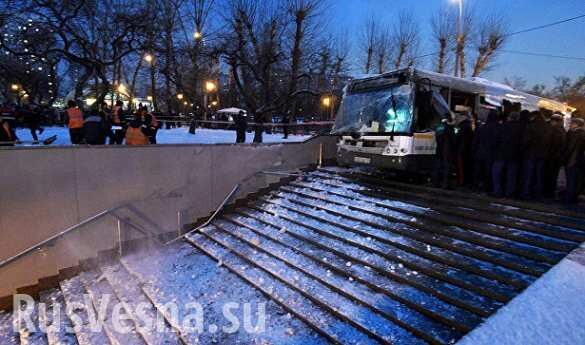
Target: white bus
column 389, row 120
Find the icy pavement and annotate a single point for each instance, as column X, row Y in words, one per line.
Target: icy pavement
column 172, row 136
column 548, row 312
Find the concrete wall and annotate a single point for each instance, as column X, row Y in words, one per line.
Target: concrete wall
column 46, row 190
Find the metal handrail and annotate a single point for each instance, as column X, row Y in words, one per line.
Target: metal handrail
column 55, row 237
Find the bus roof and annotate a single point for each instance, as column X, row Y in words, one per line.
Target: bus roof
column 492, row 91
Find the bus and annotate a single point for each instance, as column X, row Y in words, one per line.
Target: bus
column 389, row 120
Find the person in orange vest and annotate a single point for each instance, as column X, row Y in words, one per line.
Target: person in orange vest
column 136, row 134
column 75, row 122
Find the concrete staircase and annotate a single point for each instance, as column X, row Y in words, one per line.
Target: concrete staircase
column 337, row 257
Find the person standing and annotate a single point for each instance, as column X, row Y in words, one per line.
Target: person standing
column 137, row 134
column 483, row 153
column 464, row 142
column 118, row 124
column 75, row 122
column 286, row 124
column 446, row 153
column 574, row 159
column 7, row 135
column 507, row 153
column 241, row 123
column 94, row 129
column 555, row 155
column 31, row 120
column 536, row 143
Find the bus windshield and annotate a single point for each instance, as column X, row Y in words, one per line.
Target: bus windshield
column 387, row 110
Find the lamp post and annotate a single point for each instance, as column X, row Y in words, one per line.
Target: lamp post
column 210, row 86
column 459, row 32
column 328, row 103
column 149, row 58
column 16, row 89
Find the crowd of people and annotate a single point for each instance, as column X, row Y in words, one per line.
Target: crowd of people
column 108, row 125
column 114, row 126
column 513, row 154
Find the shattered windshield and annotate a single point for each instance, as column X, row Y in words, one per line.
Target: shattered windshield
column 388, row 110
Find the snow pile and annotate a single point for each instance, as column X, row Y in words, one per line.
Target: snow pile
column 172, row 136
column 548, row 312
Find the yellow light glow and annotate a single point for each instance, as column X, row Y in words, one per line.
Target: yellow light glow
column 214, row 103
column 326, row 101
column 180, row 96
column 185, row 103
column 197, row 35
column 90, row 101
column 135, row 100
column 148, row 58
column 14, row 87
column 149, row 98
column 210, row 86
column 121, row 88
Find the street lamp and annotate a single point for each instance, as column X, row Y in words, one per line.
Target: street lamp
column 148, row 58
column 459, row 33
column 327, row 102
column 210, row 86
column 14, row 87
column 197, row 35
column 180, row 96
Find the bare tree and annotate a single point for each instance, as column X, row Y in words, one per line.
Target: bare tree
column 405, row 39
column 462, row 36
column 383, row 49
column 368, row 43
column 491, row 37
column 443, row 31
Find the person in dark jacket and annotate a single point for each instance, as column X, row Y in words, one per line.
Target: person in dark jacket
column 483, row 153
column 507, row 154
column 95, row 129
column 574, row 159
column 464, row 142
column 535, row 145
column 285, row 124
column 241, row 123
column 446, row 153
column 32, row 121
column 554, row 159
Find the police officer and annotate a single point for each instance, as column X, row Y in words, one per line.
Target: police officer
column 574, row 158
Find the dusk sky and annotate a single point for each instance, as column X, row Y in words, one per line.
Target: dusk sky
column 565, row 39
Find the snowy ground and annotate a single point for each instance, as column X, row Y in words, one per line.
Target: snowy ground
column 548, row 312
column 171, row 136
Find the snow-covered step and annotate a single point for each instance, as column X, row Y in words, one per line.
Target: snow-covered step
column 335, row 329
column 88, row 329
column 385, row 228
column 391, row 207
column 120, row 329
column 7, row 334
column 370, row 321
column 421, row 301
column 127, row 290
column 181, row 274
column 418, row 258
column 404, row 317
column 59, row 327
column 311, row 231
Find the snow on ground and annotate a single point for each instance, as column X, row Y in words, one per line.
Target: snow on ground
column 171, row 136
column 548, row 312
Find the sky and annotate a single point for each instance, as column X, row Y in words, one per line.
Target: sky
column 566, row 39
